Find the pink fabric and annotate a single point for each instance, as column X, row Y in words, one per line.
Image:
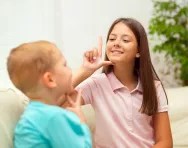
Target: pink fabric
column 119, row 124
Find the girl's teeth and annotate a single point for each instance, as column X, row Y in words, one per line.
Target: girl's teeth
column 116, row 52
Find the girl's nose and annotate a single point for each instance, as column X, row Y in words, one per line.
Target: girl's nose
column 116, row 43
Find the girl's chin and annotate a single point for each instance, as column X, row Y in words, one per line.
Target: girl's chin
column 115, row 60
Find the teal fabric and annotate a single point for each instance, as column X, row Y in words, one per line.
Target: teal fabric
column 47, row 126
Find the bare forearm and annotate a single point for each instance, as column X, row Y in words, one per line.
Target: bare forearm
column 80, row 75
column 163, row 144
column 82, row 118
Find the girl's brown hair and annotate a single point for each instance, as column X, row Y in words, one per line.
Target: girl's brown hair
column 143, row 66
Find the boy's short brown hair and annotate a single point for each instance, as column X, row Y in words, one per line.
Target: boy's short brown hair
column 27, row 62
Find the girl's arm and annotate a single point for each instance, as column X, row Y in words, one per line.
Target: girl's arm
column 163, row 135
column 92, row 62
column 80, row 75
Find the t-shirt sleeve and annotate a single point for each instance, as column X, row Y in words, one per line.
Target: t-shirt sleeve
column 88, row 88
column 66, row 130
column 162, row 99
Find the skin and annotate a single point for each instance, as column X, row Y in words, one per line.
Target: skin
column 51, row 84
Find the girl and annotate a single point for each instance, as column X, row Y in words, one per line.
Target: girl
column 128, row 98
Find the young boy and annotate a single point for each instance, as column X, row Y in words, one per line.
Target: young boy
column 39, row 70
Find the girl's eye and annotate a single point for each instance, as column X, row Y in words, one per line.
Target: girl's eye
column 111, row 39
column 126, row 41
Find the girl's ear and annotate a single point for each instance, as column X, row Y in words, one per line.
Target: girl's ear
column 49, row 80
column 137, row 55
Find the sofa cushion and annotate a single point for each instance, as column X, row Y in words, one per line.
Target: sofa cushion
column 178, row 113
column 11, row 107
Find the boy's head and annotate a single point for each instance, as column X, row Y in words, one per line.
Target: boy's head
column 38, row 67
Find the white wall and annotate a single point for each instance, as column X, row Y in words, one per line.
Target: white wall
column 85, row 20
column 74, row 25
column 24, row 21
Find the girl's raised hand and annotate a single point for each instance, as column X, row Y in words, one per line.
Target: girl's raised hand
column 93, row 58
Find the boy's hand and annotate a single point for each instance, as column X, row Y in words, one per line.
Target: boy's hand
column 62, row 101
column 93, row 59
column 75, row 106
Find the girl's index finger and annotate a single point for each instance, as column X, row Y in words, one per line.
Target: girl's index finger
column 100, row 46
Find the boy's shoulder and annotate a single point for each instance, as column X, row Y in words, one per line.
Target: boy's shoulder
column 58, row 114
column 39, row 114
column 57, row 111
column 40, row 119
column 37, row 110
column 52, row 110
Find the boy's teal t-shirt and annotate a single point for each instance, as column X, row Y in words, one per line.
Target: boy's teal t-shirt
column 46, row 126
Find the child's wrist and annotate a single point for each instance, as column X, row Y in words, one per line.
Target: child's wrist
column 83, row 121
column 82, row 118
column 86, row 71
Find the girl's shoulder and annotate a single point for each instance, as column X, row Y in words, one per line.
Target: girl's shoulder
column 99, row 76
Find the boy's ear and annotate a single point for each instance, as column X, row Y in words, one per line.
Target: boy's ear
column 49, row 80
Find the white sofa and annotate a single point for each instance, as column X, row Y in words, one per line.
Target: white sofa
column 12, row 106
